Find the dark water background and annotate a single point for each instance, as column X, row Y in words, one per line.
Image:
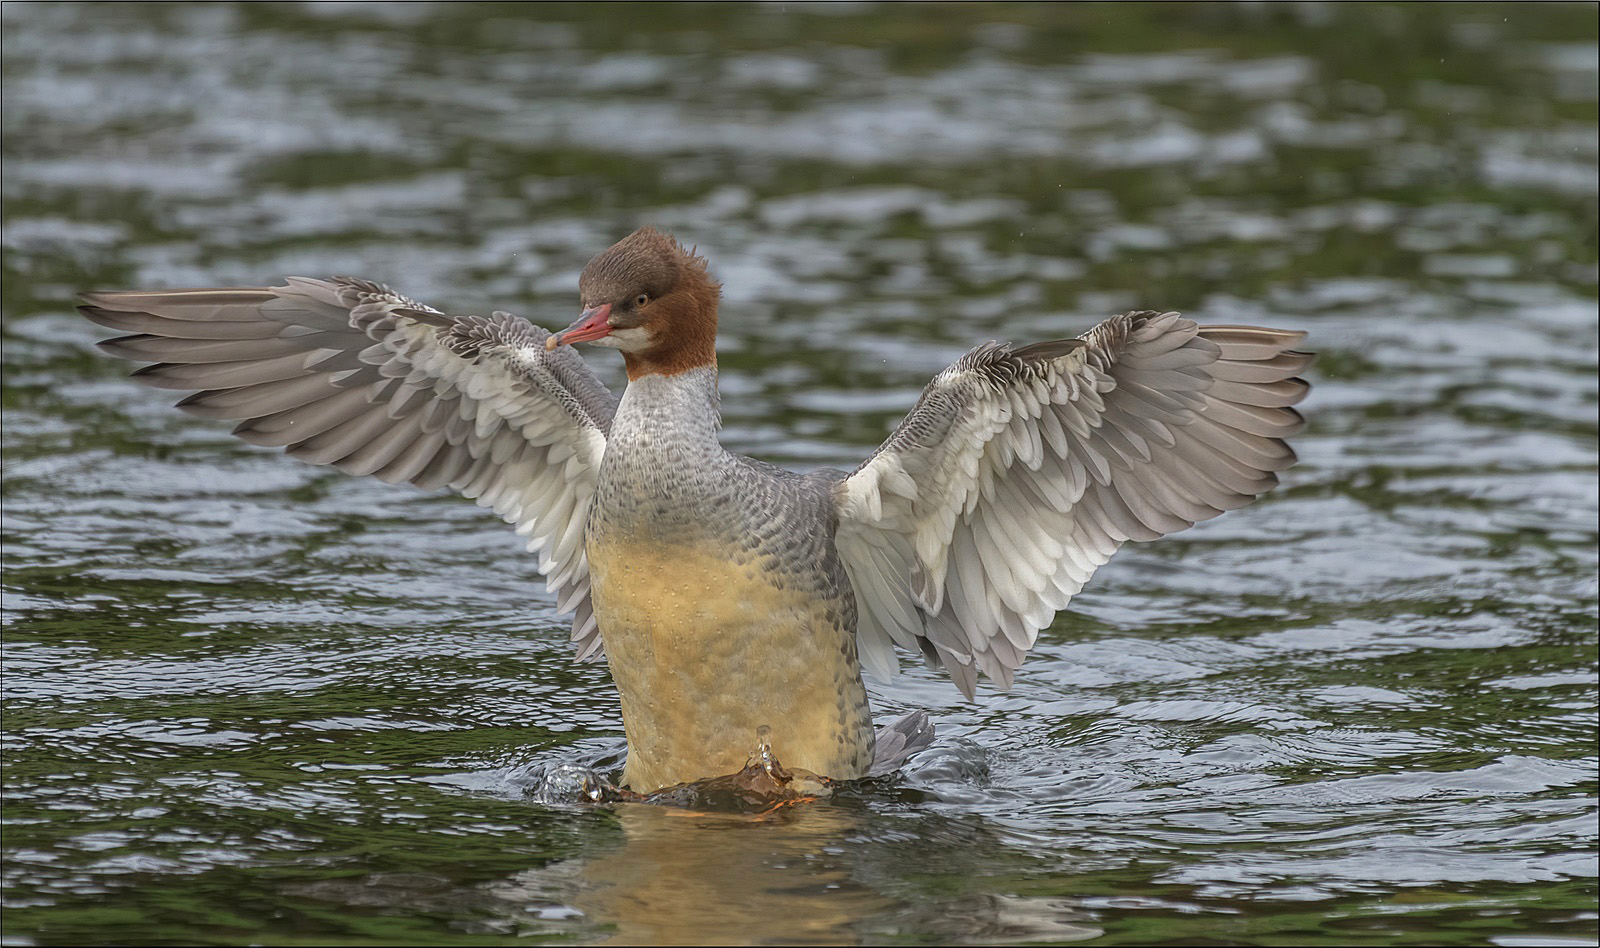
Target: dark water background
column 248, row 700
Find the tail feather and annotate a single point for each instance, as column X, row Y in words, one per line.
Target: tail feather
column 899, row 742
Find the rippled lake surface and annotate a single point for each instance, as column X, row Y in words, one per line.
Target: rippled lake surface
column 252, row 701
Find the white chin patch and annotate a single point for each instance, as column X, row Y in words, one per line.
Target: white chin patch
column 628, row 340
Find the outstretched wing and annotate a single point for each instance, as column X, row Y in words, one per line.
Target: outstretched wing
column 1021, row 471
column 348, row 373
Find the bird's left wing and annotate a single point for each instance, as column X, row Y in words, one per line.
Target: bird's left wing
column 1020, row 471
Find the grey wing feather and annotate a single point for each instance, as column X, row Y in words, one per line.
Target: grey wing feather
column 1020, row 472
column 349, row 373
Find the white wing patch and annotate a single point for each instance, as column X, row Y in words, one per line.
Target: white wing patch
column 1020, row 472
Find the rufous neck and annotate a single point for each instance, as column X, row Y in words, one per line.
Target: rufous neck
column 688, row 338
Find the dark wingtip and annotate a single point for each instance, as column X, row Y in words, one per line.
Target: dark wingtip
column 116, row 346
column 97, row 314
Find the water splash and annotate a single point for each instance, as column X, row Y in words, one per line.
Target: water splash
column 763, row 784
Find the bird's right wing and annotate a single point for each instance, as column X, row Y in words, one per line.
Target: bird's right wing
column 349, row 373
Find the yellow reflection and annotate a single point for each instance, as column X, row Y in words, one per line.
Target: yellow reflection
column 684, row 877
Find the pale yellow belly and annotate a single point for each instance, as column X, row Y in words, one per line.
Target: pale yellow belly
column 705, row 651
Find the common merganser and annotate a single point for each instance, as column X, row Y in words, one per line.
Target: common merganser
column 726, row 593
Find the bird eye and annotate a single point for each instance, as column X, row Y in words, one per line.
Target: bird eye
column 641, row 299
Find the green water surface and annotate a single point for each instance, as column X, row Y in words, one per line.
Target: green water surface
column 249, row 701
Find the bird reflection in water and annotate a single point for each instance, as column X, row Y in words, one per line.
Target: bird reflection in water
column 789, row 875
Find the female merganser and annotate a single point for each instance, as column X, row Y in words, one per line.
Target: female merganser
column 728, row 594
